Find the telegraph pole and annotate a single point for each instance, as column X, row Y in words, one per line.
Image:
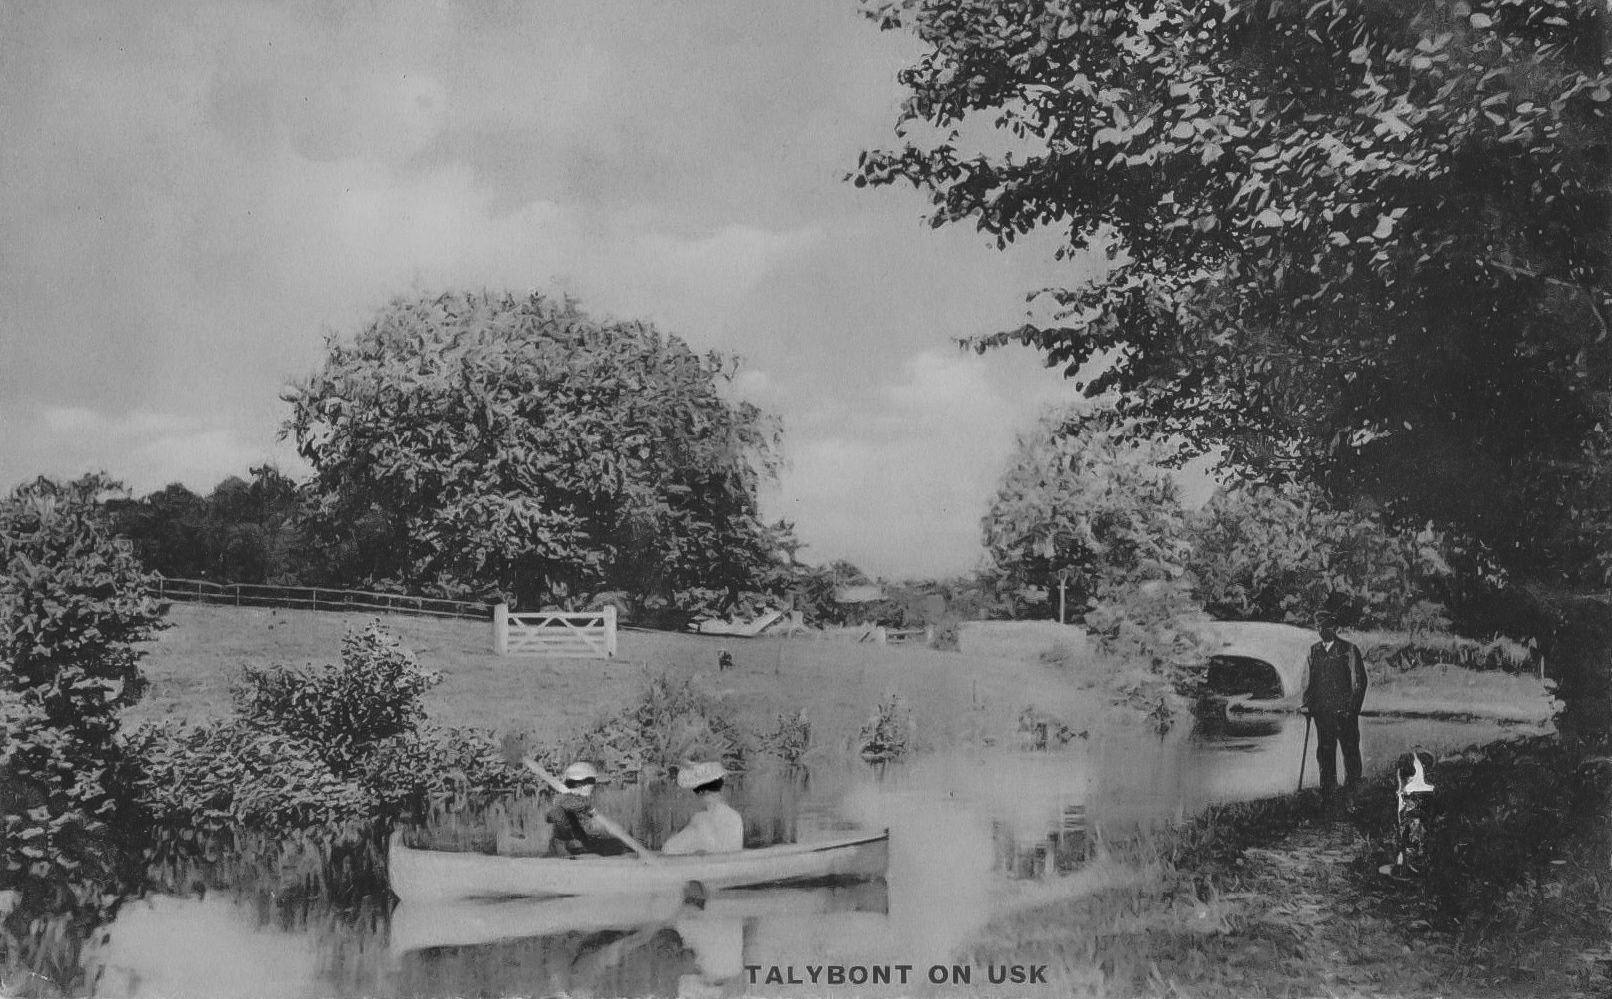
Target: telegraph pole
column 1063, row 579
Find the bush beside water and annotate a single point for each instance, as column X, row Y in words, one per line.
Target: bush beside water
column 673, row 722
column 72, row 610
column 887, row 734
column 329, row 748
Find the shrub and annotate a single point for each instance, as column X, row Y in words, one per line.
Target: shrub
column 72, row 608
column 72, row 602
column 887, row 734
column 1149, row 621
column 791, row 740
column 347, row 710
column 672, row 722
column 323, row 750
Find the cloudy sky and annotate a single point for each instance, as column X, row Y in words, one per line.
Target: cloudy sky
column 194, row 194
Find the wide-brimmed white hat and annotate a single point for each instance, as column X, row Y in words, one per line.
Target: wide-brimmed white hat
column 580, row 771
column 692, row 775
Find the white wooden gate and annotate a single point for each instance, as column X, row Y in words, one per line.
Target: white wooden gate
column 585, row 635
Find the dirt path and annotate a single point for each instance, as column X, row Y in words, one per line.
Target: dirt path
column 1273, row 898
column 1310, row 919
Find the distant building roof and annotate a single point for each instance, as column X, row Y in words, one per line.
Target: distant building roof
column 866, row 593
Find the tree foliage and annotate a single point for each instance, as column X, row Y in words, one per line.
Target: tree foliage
column 1269, row 553
column 516, row 445
column 72, row 612
column 817, row 592
column 242, row 532
column 672, row 722
column 1080, row 495
column 72, row 603
column 1358, row 243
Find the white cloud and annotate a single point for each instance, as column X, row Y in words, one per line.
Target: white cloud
column 939, row 383
column 898, row 484
column 140, row 424
column 143, row 449
column 758, row 387
column 728, row 262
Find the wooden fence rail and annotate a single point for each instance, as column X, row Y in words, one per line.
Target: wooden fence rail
column 314, row 598
column 586, row 635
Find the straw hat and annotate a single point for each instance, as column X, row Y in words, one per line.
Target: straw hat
column 695, row 775
column 578, row 772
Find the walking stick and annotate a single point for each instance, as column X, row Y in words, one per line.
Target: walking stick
column 1304, row 754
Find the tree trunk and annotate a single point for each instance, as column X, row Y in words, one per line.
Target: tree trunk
column 1579, row 659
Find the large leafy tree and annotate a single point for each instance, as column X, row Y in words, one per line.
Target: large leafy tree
column 1359, row 243
column 1083, row 494
column 1080, row 495
column 479, row 443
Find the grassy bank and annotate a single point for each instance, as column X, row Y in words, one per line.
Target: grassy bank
column 1450, row 690
column 1272, row 898
column 975, row 695
column 954, row 699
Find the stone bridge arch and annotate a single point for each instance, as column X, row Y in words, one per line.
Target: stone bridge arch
column 1242, row 650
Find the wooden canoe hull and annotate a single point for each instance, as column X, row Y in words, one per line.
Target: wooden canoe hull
column 467, row 922
column 435, row 875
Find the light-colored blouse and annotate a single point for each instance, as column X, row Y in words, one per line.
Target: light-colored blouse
column 716, row 829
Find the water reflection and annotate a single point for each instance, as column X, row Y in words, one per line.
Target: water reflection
column 967, row 828
column 1061, row 851
column 669, row 945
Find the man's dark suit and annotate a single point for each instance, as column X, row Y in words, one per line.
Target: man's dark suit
column 1333, row 694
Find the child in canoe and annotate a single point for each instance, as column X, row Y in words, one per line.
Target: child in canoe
column 577, row 831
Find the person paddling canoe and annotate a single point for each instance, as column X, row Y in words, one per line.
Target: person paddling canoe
column 716, row 828
column 577, row 830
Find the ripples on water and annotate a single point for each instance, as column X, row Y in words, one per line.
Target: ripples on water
column 968, row 828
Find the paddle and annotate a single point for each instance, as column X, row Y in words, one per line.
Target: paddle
column 609, row 826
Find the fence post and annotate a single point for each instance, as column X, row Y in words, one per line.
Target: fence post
column 610, row 630
column 501, row 628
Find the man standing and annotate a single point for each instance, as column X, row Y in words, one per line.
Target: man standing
column 1333, row 693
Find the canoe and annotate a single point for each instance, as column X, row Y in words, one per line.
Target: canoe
column 434, row 875
column 417, row 925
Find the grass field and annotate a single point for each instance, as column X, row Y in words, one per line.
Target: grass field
column 953, row 698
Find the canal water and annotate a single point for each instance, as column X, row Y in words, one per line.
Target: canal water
column 971, row 833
